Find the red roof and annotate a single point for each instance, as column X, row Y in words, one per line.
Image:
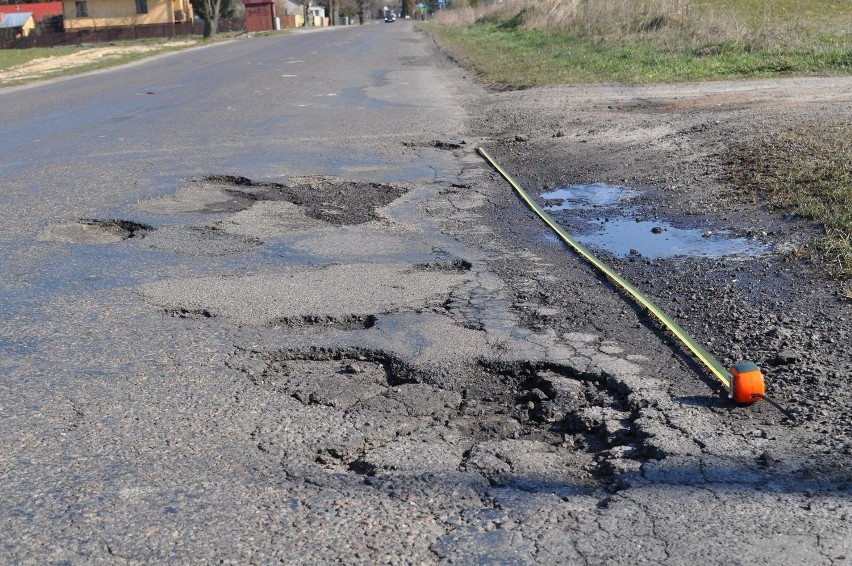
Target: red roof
column 40, row 10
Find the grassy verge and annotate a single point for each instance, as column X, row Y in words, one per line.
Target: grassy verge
column 527, row 58
column 523, row 43
column 20, row 66
column 526, row 43
column 806, row 171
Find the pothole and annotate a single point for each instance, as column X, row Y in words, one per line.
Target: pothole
column 335, row 201
column 93, row 231
column 188, row 313
column 205, row 241
column 299, row 293
column 607, row 217
column 196, row 199
column 458, row 265
column 344, row 323
column 448, row 145
column 514, row 424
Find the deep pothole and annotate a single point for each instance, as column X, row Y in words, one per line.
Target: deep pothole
column 327, row 322
column 514, row 424
column 335, row 201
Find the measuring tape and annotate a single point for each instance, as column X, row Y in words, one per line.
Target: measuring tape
column 744, row 382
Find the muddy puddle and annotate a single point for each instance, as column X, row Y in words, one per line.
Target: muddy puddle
column 610, row 218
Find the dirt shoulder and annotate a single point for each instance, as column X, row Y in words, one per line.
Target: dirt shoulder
column 85, row 59
column 676, row 145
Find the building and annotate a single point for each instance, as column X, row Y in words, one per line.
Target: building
column 89, row 14
column 293, row 13
column 260, row 15
column 317, row 17
column 40, row 10
column 16, row 25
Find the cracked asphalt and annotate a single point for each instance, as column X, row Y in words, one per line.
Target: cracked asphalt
column 262, row 302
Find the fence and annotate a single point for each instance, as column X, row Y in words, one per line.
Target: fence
column 105, row 35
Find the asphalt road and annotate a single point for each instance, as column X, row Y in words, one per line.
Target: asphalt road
column 256, row 308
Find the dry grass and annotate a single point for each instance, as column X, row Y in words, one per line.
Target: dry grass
column 805, row 171
column 675, row 23
column 20, row 66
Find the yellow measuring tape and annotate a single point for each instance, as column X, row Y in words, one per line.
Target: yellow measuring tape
column 716, row 368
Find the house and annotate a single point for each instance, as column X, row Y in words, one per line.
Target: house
column 40, row 10
column 290, row 8
column 89, row 14
column 317, row 17
column 16, row 25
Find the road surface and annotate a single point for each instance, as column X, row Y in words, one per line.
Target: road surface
column 258, row 306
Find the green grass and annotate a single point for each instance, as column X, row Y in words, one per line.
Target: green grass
column 806, row 171
column 537, row 42
column 543, row 42
column 10, row 58
column 818, row 12
column 525, row 58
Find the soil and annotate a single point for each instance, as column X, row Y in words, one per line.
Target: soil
column 680, row 145
column 46, row 66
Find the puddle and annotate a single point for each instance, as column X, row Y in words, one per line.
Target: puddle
column 584, row 197
column 604, row 217
column 625, row 236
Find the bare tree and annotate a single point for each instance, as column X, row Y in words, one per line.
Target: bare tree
column 210, row 11
column 210, row 14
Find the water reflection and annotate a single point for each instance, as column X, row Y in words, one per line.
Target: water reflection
column 605, row 217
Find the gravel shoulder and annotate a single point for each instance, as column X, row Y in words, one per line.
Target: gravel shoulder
column 675, row 144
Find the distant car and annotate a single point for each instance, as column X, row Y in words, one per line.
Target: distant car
column 390, row 17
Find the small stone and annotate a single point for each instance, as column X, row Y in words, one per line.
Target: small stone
column 302, row 397
column 778, row 332
column 767, row 459
column 536, row 393
column 656, row 230
column 521, row 138
column 785, row 357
